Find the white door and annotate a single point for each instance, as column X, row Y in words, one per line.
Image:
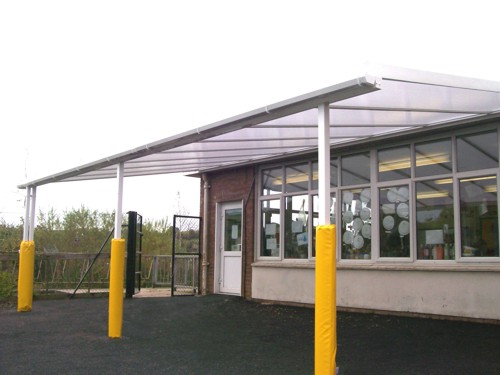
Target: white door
column 229, row 248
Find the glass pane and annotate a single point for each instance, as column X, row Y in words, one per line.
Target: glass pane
column 394, row 164
column 356, row 169
column 232, row 230
column 333, row 174
column 297, row 178
column 433, row 158
column 479, row 216
column 435, row 225
column 272, row 181
column 333, row 202
column 356, row 224
column 394, row 222
column 477, row 151
column 296, row 233
column 270, row 228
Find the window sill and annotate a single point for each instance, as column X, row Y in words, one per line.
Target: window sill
column 283, row 264
column 457, row 267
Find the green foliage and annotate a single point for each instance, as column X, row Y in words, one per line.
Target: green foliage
column 8, row 286
column 78, row 231
column 157, row 237
column 10, row 237
column 84, row 230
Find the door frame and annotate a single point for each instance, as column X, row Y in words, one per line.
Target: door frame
column 219, row 216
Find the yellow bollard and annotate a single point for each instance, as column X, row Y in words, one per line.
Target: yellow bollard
column 325, row 313
column 26, row 275
column 117, row 266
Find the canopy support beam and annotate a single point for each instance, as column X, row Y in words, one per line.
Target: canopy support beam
column 117, row 266
column 27, row 255
column 324, row 163
column 325, row 321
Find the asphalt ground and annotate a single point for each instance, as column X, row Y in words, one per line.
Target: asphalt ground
column 219, row 334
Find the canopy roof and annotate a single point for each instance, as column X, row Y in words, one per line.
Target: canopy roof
column 386, row 102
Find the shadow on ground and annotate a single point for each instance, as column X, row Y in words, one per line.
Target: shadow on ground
column 228, row 335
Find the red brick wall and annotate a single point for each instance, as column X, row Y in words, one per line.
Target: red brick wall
column 230, row 186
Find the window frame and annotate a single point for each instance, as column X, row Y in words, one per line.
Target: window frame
column 337, row 188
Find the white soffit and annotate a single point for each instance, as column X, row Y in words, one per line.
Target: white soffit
column 399, row 100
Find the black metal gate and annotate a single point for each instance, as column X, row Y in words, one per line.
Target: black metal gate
column 134, row 254
column 186, row 255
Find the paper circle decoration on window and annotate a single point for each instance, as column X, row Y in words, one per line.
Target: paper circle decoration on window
column 347, row 217
column 389, row 208
column 392, row 195
column 366, row 231
column 365, row 213
column 347, row 238
column 347, row 197
column 403, row 194
column 402, row 210
column 357, row 206
column 358, row 242
column 365, row 195
column 357, row 224
column 404, row 228
column 388, row 222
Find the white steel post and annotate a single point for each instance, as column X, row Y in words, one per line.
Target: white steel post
column 119, row 204
column 325, row 312
column 117, row 267
column 31, row 235
column 324, row 163
column 27, row 215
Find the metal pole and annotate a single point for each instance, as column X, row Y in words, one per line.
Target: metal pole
column 172, row 292
column 131, row 250
column 119, row 203
column 33, row 214
column 117, row 266
column 205, row 264
column 27, row 215
column 27, row 256
column 325, row 316
column 324, row 163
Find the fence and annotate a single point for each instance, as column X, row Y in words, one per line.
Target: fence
column 61, row 272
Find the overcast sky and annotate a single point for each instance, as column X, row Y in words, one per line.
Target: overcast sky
column 81, row 80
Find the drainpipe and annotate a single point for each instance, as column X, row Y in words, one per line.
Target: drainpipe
column 205, row 263
column 244, row 236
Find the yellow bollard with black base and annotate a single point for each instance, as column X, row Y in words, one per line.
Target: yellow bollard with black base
column 117, row 267
column 325, row 313
column 26, row 275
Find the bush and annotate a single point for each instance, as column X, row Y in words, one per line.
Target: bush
column 8, row 286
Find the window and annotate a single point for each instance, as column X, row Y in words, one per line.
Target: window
column 355, row 169
column 417, row 192
column 270, row 231
column 394, row 227
column 356, row 224
column 477, row 151
column 333, row 204
column 297, row 178
column 296, row 229
column 435, row 232
column 394, row 164
column 433, row 158
column 479, row 216
column 272, row 181
column 333, row 174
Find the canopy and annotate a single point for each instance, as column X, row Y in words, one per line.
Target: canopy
column 384, row 102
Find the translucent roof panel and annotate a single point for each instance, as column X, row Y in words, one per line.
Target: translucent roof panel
column 386, row 101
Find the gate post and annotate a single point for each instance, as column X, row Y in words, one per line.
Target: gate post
column 131, row 249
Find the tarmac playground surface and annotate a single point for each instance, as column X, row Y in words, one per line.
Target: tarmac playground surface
column 218, row 334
